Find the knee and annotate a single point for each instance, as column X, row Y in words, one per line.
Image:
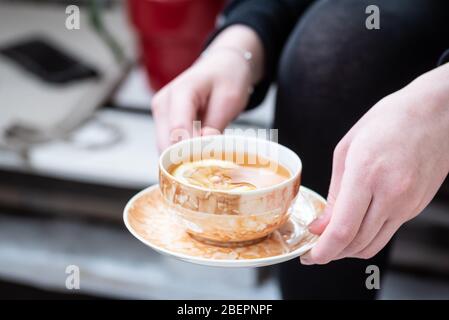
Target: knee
column 324, row 46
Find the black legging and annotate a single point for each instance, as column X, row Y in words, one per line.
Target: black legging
column 331, row 72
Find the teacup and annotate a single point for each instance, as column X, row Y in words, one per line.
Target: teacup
column 232, row 217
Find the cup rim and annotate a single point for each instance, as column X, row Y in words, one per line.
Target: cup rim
column 293, row 176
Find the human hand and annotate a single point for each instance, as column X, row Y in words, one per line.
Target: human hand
column 386, row 170
column 214, row 90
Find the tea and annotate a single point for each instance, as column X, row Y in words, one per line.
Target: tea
column 239, row 172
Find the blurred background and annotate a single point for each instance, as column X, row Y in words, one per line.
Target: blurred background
column 77, row 141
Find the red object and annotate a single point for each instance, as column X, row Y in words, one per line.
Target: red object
column 172, row 34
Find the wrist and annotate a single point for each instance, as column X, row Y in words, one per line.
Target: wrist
column 242, row 41
column 428, row 103
column 432, row 90
column 429, row 96
column 240, row 58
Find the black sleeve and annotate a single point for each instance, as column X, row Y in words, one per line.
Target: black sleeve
column 272, row 20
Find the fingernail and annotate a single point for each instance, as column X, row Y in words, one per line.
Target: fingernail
column 305, row 261
column 318, row 225
column 315, row 227
column 316, row 221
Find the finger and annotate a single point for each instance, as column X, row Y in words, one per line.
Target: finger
column 385, row 234
column 348, row 212
column 371, row 225
column 159, row 107
column 224, row 105
column 338, row 166
column 183, row 110
column 209, row 131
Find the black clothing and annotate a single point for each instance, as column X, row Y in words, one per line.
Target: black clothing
column 273, row 20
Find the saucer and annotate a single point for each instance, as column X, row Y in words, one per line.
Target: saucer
column 150, row 220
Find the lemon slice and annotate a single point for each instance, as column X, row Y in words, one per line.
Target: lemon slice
column 211, row 174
